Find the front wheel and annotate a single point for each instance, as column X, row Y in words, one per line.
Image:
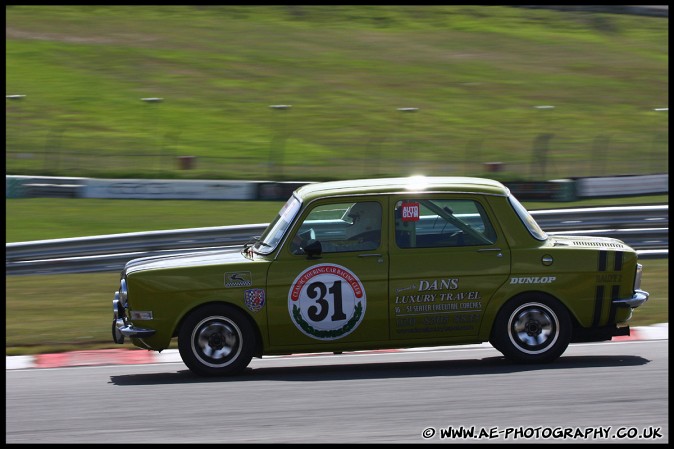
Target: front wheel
column 532, row 329
column 216, row 340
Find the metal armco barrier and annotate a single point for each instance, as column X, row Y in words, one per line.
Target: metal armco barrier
column 132, row 242
column 642, row 227
column 634, row 217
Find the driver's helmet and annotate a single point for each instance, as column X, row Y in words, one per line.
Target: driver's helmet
column 365, row 217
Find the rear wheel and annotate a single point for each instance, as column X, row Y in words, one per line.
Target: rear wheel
column 216, row 340
column 532, row 329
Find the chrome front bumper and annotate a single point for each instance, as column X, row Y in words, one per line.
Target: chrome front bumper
column 635, row 301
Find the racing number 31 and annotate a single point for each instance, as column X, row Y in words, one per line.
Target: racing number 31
column 326, row 301
column 319, row 289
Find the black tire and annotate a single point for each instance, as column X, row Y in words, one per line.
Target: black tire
column 532, row 329
column 216, row 340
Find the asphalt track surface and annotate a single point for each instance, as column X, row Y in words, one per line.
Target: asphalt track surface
column 612, row 392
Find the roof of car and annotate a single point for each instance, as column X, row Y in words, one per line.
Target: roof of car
column 400, row 185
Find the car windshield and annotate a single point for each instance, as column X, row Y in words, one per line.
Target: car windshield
column 533, row 227
column 274, row 233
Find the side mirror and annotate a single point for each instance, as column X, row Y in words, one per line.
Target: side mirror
column 313, row 249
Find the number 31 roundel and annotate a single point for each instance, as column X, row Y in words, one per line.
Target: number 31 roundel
column 326, row 302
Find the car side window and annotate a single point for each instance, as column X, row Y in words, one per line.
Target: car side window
column 431, row 223
column 341, row 227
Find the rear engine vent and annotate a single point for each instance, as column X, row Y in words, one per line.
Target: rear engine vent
column 598, row 244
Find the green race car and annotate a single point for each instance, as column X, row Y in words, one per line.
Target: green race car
column 380, row 264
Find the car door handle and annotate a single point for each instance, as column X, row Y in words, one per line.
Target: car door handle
column 379, row 257
column 484, row 250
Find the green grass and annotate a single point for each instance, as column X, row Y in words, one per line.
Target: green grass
column 51, row 218
column 476, row 74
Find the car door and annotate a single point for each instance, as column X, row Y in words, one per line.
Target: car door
column 447, row 258
column 341, row 295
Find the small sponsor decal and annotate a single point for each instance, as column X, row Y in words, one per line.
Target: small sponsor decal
column 254, row 299
column 410, row 211
column 326, row 302
column 533, row 280
column 238, row 279
column 412, row 287
column 609, row 277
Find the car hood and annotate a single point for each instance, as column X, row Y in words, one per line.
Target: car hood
column 182, row 260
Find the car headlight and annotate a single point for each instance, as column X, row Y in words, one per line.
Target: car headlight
column 637, row 277
column 123, row 293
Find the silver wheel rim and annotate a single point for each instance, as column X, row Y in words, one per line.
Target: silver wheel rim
column 216, row 341
column 533, row 328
